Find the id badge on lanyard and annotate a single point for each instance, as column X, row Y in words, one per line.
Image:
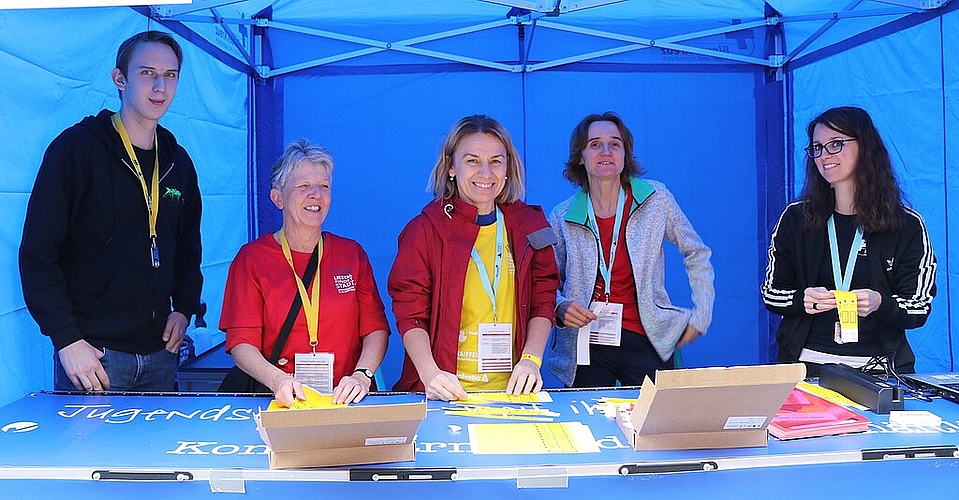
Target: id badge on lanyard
column 495, row 340
column 495, row 347
column 315, row 369
column 847, row 328
column 607, row 328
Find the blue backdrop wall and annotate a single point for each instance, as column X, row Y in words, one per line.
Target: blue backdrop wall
column 718, row 114
column 694, row 131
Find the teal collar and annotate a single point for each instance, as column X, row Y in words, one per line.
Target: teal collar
column 577, row 207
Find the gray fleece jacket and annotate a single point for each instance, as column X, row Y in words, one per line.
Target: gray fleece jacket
column 654, row 218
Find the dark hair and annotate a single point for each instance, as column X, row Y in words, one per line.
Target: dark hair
column 878, row 199
column 575, row 170
column 125, row 52
column 440, row 183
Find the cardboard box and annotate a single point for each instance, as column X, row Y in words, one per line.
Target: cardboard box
column 709, row 407
column 347, row 435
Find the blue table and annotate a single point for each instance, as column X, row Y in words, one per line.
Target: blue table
column 104, row 446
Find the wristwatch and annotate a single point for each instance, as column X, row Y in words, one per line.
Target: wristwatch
column 365, row 371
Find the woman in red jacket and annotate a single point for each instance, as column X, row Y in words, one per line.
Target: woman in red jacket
column 474, row 281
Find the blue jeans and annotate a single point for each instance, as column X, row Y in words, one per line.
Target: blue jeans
column 154, row 372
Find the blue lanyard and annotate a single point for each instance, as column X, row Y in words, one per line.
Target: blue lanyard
column 606, row 270
column 846, row 279
column 497, row 264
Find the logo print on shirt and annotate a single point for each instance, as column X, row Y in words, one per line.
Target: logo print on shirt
column 173, row 194
column 344, row 283
column 862, row 250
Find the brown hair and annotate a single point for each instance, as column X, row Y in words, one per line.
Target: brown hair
column 575, row 171
column 878, row 198
column 125, row 52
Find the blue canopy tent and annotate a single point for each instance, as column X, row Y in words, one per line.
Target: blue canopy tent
column 717, row 94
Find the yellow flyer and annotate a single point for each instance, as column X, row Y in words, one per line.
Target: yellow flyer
column 528, row 439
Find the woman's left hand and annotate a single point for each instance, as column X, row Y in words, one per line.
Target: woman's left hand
column 867, row 301
column 689, row 334
column 526, row 378
column 352, row 389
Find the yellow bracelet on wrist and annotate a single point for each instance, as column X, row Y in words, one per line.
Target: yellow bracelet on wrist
column 536, row 361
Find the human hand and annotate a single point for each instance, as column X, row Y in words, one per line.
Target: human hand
column 867, row 301
column 352, row 389
column 575, row 314
column 174, row 331
column 689, row 334
column 81, row 361
column 444, row 386
column 818, row 299
column 286, row 389
column 526, row 378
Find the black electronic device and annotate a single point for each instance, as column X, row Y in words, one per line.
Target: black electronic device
column 862, row 388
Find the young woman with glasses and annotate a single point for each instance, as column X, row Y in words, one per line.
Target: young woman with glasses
column 850, row 266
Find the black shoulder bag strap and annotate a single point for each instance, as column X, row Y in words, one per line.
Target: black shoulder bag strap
column 295, row 306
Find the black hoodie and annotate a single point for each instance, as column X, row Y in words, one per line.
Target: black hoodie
column 85, row 261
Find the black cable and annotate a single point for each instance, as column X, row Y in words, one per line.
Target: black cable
column 882, row 368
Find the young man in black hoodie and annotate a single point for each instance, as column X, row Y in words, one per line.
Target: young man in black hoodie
column 110, row 255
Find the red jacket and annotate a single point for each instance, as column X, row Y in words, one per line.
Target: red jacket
column 429, row 274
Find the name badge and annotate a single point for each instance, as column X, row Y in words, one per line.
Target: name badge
column 495, row 349
column 847, row 328
column 607, row 328
column 315, row 370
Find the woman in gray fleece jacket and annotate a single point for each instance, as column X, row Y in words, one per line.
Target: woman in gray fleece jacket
column 637, row 328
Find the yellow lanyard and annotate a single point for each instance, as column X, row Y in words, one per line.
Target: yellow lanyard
column 151, row 197
column 311, row 305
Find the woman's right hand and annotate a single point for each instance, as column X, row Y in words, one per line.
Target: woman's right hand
column 818, row 299
column 286, row 389
column 443, row 386
column 575, row 314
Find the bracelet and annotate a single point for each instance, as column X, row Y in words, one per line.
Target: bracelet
column 536, row 361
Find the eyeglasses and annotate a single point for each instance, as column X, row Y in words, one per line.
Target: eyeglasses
column 831, row 147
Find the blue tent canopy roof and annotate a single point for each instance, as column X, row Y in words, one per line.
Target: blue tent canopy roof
column 543, row 35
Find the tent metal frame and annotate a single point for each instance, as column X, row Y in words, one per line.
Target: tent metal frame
column 369, row 46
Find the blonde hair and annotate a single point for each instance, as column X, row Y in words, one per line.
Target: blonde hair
column 443, row 187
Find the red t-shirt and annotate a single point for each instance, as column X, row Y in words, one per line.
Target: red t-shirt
column 260, row 288
column 623, row 288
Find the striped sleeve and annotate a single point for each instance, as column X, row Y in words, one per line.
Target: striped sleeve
column 918, row 282
column 779, row 286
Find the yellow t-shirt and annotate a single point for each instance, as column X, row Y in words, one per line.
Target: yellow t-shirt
column 478, row 309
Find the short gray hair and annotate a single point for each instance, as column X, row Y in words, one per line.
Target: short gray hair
column 297, row 152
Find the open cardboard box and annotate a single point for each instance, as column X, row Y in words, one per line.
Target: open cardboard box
column 709, row 407
column 344, row 435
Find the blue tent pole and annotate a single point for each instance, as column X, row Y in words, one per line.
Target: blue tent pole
column 268, row 131
column 771, row 117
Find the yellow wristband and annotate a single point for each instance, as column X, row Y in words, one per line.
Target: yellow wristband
column 538, row 362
